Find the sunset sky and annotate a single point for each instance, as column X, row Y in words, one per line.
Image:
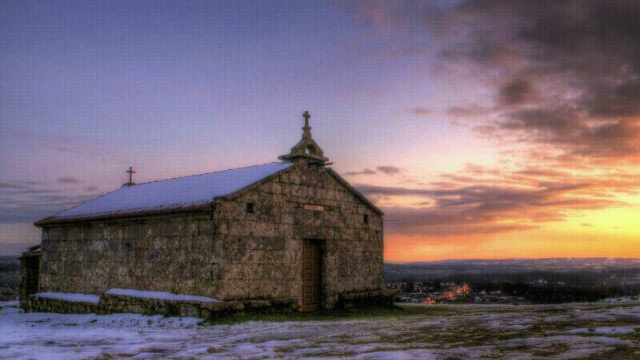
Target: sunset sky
column 483, row 129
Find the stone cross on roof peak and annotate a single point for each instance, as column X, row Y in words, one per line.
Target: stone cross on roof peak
column 306, row 129
column 130, row 172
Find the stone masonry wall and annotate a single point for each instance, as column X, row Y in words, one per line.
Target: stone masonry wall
column 163, row 253
column 263, row 249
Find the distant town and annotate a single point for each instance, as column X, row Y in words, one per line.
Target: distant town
column 448, row 293
column 514, row 281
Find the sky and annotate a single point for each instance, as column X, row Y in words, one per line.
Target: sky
column 483, row 129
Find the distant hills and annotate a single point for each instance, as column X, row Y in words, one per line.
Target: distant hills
column 514, row 269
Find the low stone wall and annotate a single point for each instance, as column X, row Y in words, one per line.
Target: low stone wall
column 375, row 298
column 110, row 304
column 43, row 304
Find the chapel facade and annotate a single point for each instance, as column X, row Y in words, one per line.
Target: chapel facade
column 290, row 234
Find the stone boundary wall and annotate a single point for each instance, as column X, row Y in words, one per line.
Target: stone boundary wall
column 110, row 304
column 43, row 304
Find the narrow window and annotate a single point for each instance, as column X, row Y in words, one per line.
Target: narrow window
column 366, row 219
column 250, row 208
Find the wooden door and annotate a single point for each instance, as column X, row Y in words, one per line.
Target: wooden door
column 311, row 275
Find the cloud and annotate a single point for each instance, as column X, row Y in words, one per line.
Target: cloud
column 582, row 57
column 558, row 83
column 482, row 207
column 541, row 172
column 465, row 112
column 31, row 201
column 421, row 111
column 386, row 169
column 389, row 170
column 516, row 91
column 68, row 180
column 564, row 74
column 364, row 171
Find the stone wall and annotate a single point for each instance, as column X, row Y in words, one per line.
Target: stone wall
column 264, row 248
column 163, row 253
column 40, row 304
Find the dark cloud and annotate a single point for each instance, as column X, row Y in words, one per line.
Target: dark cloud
column 516, row 91
column 68, row 180
column 389, row 170
column 559, row 122
column 613, row 100
column 362, row 172
column 582, row 55
column 565, row 74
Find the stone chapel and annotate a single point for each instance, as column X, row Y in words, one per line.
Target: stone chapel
column 291, row 234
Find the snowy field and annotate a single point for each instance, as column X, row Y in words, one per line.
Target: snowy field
column 570, row 331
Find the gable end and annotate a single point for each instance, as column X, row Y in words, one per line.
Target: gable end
column 355, row 192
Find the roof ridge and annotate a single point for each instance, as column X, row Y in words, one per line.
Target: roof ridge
column 207, row 173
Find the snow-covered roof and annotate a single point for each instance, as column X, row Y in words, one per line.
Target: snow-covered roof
column 178, row 193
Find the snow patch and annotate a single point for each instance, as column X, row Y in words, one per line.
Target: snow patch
column 623, row 299
column 10, row 303
column 159, row 295
column 402, row 354
column 615, row 330
column 71, row 297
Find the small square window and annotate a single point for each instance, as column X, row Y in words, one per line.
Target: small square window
column 366, row 219
column 250, row 208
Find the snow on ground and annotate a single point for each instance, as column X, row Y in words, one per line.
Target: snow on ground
column 161, row 295
column 624, row 299
column 615, row 330
column 439, row 332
